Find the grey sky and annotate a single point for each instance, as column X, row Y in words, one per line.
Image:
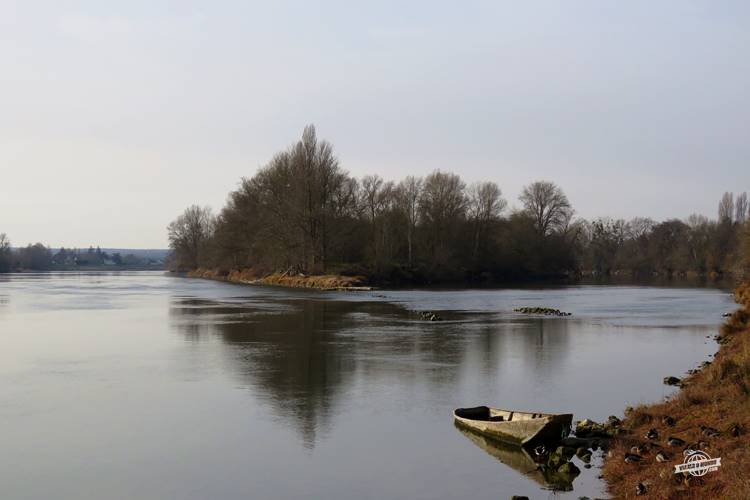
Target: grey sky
column 113, row 118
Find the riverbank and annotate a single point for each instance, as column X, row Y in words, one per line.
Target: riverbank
column 711, row 412
column 253, row 277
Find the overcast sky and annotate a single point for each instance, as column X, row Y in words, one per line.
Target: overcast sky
column 113, row 118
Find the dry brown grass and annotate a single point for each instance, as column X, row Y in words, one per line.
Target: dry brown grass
column 717, row 396
column 258, row 277
column 323, row 281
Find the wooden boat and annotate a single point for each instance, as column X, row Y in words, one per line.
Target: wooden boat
column 519, row 458
column 515, row 427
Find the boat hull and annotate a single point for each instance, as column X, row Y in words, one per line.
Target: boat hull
column 513, row 427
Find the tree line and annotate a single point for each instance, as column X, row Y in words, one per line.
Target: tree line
column 33, row 257
column 38, row 257
column 303, row 212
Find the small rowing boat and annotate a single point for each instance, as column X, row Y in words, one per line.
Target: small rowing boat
column 516, row 427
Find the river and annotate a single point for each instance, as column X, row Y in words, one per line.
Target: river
column 144, row 385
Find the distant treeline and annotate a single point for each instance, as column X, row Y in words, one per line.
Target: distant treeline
column 302, row 212
column 38, row 257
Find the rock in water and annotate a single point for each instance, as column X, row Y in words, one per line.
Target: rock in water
column 546, row 311
column 554, row 461
column 569, row 468
column 672, row 380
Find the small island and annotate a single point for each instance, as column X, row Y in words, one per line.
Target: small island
column 302, row 220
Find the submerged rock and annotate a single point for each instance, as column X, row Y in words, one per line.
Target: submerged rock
column 429, row 316
column 546, row 311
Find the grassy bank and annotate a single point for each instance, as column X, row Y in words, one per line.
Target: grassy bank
column 254, row 277
column 711, row 412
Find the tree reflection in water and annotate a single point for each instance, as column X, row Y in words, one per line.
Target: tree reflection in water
column 300, row 356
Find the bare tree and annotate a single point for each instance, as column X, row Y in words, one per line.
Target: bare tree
column 443, row 203
column 484, row 204
column 375, row 195
column 407, row 195
column 698, row 241
column 189, row 233
column 695, row 221
column 607, row 236
column 726, row 208
column 301, row 191
column 741, row 208
column 377, row 199
column 546, row 203
column 638, row 227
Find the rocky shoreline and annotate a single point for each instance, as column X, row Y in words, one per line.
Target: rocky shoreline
column 710, row 413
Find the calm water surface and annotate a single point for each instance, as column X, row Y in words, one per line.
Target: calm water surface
column 141, row 385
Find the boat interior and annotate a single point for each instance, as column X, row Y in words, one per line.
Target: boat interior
column 486, row 414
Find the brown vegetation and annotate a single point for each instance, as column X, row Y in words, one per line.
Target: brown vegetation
column 253, row 276
column 715, row 398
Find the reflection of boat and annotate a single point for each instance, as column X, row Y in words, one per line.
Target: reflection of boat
column 515, row 427
column 519, row 459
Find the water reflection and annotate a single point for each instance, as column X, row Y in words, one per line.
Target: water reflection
column 363, row 383
column 290, row 352
column 299, row 356
column 520, row 460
